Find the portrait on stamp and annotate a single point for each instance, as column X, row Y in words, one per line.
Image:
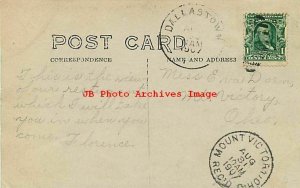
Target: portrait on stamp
column 265, row 37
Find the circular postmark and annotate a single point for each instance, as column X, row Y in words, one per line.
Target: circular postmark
column 241, row 159
column 196, row 32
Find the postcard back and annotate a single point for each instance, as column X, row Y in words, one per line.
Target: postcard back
column 155, row 94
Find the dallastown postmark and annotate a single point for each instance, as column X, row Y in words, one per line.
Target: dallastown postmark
column 202, row 30
column 265, row 40
column 241, row 159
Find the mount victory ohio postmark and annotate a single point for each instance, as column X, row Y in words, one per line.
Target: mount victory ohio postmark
column 241, row 159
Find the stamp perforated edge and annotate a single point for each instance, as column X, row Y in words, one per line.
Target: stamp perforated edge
column 267, row 63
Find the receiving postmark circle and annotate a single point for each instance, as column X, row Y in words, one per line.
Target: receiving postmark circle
column 241, row 159
column 200, row 27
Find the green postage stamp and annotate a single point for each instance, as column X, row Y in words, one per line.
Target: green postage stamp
column 265, row 40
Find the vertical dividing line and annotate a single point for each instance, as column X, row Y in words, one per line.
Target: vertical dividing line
column 148, row 120
column 149, row 151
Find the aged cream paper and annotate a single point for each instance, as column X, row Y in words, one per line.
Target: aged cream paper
column 58, row 58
